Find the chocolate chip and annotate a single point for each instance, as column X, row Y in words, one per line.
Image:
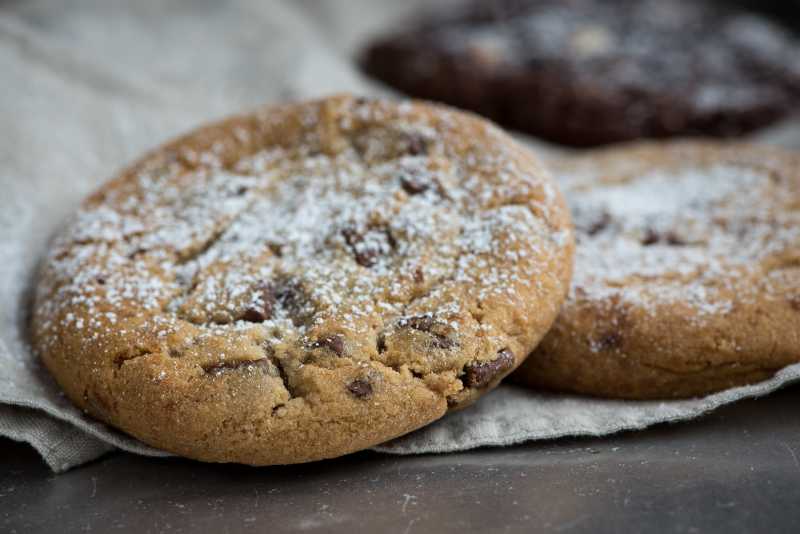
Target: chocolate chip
column 366, row 252
column 264, row 309
column 288, row 294
column 100, row 280
column 136, row 252
column 334, row 342
column 364, row 255
column 276, row 249
column 419, row 275
column 416, row 145
column 294, row 299
column 367, row 257
column 794, row 302
column 381, row 343
column 609, row 341
column 650, row 237
column 599, row 225
column 390, row 238
column 675, row 240
column 254, row 315
column 360, row 388
column 412, row 183
column 351, row 236
column 481, row 374
column 427, row 324
column 241, row 190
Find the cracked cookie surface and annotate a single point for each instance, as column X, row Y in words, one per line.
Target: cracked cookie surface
column 687, row 271
column 304, row 281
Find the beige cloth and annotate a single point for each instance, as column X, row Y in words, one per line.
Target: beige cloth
column 88, row 85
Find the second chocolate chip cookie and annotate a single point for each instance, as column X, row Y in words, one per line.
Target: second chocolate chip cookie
column 687, row 272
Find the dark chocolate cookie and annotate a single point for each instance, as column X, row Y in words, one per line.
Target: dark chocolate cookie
column 588, row 72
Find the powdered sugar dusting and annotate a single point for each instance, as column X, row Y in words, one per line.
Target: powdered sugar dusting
column 682, row 233
column 370, row 215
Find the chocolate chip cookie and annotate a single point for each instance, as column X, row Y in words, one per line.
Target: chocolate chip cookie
column 304, row 281
column 588, row 72
column 687, row 272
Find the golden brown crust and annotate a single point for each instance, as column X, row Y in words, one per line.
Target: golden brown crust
column 304, row 281
column 687, row 277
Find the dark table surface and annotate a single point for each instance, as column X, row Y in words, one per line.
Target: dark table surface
column 736, row 470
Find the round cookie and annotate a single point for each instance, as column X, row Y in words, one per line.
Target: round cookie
column 304, row 281
column 589, row 72
column 687, row 272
